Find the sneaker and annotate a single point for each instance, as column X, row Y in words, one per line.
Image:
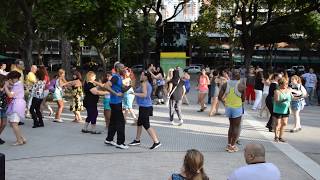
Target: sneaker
column 155, row 145
column 111, row 143
column 2, row 141
column 180, row 122
column 173, row 123
column 122, row 146
column 58, row 120
column 134, row 143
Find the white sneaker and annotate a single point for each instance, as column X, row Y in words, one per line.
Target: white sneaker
column 58, row 120
column 111, row 143
column 180, row 122
column 122, row 146
column 173, row 123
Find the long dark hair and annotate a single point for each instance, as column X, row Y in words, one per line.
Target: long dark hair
column 175, row 77
column 146, row 73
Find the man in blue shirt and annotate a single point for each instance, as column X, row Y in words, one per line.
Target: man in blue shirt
column 117, row 121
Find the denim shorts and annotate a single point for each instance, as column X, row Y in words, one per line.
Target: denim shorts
column 234, row 112
column 3, row 114
column 297, row 105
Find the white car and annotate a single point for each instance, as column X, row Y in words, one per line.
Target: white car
column 194, row 69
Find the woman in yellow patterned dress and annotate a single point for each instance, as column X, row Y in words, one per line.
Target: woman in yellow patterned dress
column 77, row 97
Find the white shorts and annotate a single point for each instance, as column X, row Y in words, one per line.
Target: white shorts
column 14, row 118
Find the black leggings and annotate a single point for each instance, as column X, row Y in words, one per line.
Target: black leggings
column 144, row 114
column 269, row 105
column 117, row 124
column 35, row 112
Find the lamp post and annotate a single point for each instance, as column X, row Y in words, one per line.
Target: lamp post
column 119, row 26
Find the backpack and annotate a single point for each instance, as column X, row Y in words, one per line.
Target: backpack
column 52, row 85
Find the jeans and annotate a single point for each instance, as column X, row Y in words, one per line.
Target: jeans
column 117, row 124
column 35, row 111
column 176, row 105
column 310, row 94
column 257, row 102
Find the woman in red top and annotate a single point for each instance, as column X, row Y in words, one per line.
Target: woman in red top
column 46, row 90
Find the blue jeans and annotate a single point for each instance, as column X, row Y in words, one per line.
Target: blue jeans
column 310, row 94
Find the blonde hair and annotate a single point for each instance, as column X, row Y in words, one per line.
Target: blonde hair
column 60, row 73
column 282, row 81
column 90, row 75
column 297, row 78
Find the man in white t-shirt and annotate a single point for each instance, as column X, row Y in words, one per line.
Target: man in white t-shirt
column 310, row 84
column 257, row 168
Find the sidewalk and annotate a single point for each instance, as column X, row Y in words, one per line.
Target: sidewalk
column 61, row 151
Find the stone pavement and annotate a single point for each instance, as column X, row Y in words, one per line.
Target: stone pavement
column 61, row 151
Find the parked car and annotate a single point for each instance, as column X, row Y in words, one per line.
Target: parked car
column 194, row 69
column 299, row 69
column 137, row 68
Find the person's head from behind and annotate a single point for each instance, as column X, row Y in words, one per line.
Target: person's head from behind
column 13, row 77
column 91, row 76
column 34, row 68
column 175, row 75
column 40, row 75
column 254, row 153
column 44, row 69
column 3, row 79
column 235, row 74
column 193, row 165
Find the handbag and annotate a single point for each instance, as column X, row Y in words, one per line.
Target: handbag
column 169, row 97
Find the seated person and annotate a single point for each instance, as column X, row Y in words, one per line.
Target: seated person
column 257, row 167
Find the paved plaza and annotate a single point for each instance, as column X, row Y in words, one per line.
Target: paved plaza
column 61, row 151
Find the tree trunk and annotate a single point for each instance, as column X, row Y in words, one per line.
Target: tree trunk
column 103, row 61
column 159, row 38
column 65, row 55
column 146, row 37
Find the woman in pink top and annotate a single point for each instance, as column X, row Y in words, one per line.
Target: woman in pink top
column 203, row 83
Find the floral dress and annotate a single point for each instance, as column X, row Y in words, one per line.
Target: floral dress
column 77, row 99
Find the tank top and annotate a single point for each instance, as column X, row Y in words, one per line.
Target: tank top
column 282, row 107
column 233, row 96
column 145, row 101
column 203, row 84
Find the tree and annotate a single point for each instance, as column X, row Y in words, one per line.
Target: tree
column 253, row 17
column 95, row 21
column 17, row 27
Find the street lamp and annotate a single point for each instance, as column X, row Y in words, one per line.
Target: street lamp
column 119, row 26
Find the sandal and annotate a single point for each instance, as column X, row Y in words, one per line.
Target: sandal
column 18, row 144
column 276, row 139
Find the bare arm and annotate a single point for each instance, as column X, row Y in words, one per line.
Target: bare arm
column 222, row 91
column 95, row 91
column 108, row 87
column 144, row 91
column 8, row 92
